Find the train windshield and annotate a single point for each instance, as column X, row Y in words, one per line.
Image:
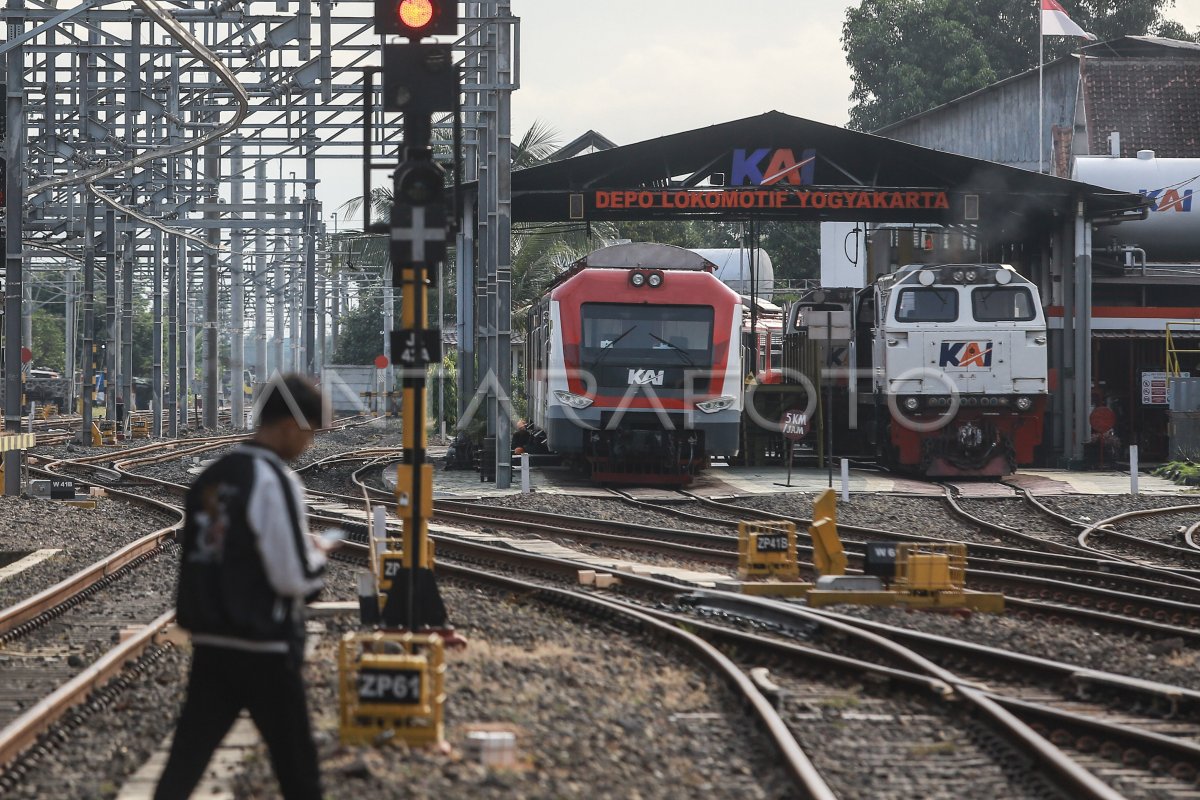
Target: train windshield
column 623, row 336
column 1002, row 304
column 927, row 305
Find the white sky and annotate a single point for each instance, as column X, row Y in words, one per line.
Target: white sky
column 637, row 69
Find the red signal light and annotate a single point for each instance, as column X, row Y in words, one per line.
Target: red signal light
column 416, row 19
column 415, row 14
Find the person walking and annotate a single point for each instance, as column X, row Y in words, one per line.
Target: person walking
column 247, row 567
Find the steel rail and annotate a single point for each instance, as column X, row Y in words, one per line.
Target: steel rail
column 1184, row 751
column 804, row 773
column 1081, row 782
column 1157, row 614
column 1104, row 528
column 1100, row 561
column 23, row 732
column 58, row 598
column 780, row 613
column 1004, row 530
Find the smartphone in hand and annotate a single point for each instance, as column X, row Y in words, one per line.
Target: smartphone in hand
column 331, row 539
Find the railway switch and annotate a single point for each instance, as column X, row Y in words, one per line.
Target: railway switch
column 391, row 685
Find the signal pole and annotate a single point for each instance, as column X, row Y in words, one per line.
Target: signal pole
column 10, row 175
column 418, row 80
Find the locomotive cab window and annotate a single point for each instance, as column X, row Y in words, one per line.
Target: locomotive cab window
column 618, row 337
column 1002, row 304
column 646, row 327
column 927, row 305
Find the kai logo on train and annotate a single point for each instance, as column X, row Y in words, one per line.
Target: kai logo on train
column 1168, row 199
column 767, row 167
column 645, row 377
column 965, row 355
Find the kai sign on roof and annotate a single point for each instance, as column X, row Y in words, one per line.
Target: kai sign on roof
column 767, row 167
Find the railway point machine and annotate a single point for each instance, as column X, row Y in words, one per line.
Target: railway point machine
column 912, row 574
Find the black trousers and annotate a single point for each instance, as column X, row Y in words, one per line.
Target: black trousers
column 222, row 683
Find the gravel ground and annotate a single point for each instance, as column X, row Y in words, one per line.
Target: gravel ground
column 326, row 444
column 92, row 759
column 667, row 731
column 603, row 508
column 920, row 515
column 84, row 536
column 1165, row 660
column 1093, row 508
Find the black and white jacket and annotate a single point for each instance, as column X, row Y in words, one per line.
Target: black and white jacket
column 247, row 563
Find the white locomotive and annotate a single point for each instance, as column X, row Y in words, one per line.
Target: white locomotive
column 937, row 369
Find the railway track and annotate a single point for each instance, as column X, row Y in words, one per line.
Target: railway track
column 1118, row 713
column 57, row 645
column 451, row 555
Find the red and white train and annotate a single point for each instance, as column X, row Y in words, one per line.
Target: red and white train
column 635, row 366
column 643, row 365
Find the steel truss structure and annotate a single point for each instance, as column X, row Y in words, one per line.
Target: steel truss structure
column 171, row 150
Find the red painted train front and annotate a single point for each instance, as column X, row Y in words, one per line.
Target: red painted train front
column 635, row 369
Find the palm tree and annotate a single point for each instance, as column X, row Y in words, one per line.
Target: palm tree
column 539, row 251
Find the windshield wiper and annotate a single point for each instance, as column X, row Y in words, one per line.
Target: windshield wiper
column 604, row 350
column 674, row 347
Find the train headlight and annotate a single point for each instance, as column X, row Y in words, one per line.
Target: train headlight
column 1024, row 403
column 971, row 275
column 957, row 276
column 926, row 277
column 637, row 279
column 911, row 404
column 655, row 279
column 572, row 400
column 716, row 404
column 1003, row 276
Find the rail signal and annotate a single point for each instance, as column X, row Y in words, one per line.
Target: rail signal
column 419, row 226
column 416, row 19
column 419, row 78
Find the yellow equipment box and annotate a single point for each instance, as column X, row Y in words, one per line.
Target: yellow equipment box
column 392, row 685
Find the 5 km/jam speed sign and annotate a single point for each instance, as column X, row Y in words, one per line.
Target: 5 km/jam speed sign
column 795, row 424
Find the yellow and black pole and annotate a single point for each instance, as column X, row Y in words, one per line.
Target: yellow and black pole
column 419, row 80
column 418, row 243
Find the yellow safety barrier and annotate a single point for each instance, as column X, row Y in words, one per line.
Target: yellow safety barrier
column 828, row 556
column 14, row 441
column 931, row 567
column 767, row 549
column 104, row 432
column 392, row 685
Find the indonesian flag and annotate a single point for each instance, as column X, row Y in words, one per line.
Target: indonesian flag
column 1055, row 22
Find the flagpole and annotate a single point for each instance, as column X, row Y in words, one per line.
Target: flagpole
column 1040, row 92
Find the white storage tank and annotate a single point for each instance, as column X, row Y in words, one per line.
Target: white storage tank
column 1172, row 230
column 734, row 269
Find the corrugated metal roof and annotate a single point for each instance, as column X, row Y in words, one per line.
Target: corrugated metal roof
column 842, row 158
column 1153, row 101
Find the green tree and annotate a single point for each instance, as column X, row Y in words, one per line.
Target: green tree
column 360, row 338
column 794, row 247
column 908, row 56
column 49, row 340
